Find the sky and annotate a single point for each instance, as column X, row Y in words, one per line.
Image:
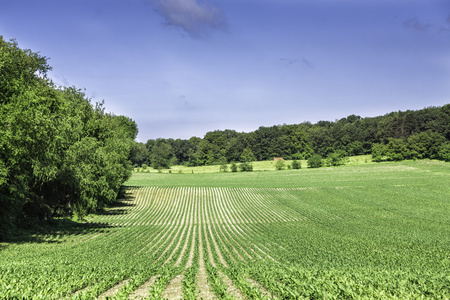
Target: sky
column 182, row 68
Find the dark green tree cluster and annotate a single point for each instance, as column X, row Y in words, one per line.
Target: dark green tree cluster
column 398, row 135
column 426, row 144
column 59, row 154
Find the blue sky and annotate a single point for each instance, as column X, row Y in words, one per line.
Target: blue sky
column 181, row 68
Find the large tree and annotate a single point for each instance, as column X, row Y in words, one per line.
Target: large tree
column 59, row 154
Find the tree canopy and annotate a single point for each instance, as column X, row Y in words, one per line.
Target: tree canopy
column 398, row 135
column 59, row 154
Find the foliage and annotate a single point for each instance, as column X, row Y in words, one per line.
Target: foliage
column 423, row 131
column 247, row 155
column 337, row 158
column 444, row 152
column 233, row 167
column 139, row 154
column 246, row 167
column 280, row 164
column 315, row 161
column 296, row 165
column 162, row 155
column 223, row 167
column 59, row 154
column 425, row 145
column 378, row 152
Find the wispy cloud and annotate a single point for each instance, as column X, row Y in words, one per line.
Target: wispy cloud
column 290, row 61
column 415, row 24
column 194, row 18
column 307, row 63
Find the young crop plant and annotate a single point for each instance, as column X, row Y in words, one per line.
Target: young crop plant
column 348, row 232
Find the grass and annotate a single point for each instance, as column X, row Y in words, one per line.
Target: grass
column 353, row 174
column 268, row 165
column 363, row 230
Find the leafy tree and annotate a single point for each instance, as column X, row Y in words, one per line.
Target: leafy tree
column 192, row 158
column 247, row 155
column 139, row 154
column 425, row 144
column 161, row 155
column 355, row 148
column 315, row 161
column 58, row 153
column 378, row 152
column 444, row 152
column 234, row 148
column 337, row 158
column 396, row 150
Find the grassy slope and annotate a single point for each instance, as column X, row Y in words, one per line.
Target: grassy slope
column 267, row 165
column 408, row 172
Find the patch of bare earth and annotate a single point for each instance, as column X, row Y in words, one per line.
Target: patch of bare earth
column 80, row 291
column 178, row 244
column 264, row 292
column 191, row 253
column 202, row 277
column 112, row 291
column 142, row 291
column 174, row 289
column 219, row 254
column 231, row 288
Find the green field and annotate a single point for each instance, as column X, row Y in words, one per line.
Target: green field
column 356, row 231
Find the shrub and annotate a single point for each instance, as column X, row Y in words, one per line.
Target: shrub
column 223, row 167
column 315, row 161
column 337, row 158
column 279, row 165
column 378, row 152
column 396, row 150
column 233, row 167
column 246, row 167
column 444, row 152
column 296, row 164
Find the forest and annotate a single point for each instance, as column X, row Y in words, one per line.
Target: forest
column 395, row 136
column 60, row 155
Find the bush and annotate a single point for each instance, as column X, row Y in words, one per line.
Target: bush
column 315, row 161
column 296, row 164
column 396, row 150
column 279, row 165
column 233, row 167
column 337, row 158
column 246, row 167
column 223, row 167
column 378, row 152
column 444, row 152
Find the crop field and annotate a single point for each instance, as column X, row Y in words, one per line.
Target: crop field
column 362, row 231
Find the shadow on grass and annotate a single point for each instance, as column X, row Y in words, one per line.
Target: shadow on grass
column 119, row 207
column 54, row 231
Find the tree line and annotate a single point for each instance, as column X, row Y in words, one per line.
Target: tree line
column 398, row 135
column 60, row 155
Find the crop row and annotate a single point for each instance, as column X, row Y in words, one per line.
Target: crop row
column 191, row 243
